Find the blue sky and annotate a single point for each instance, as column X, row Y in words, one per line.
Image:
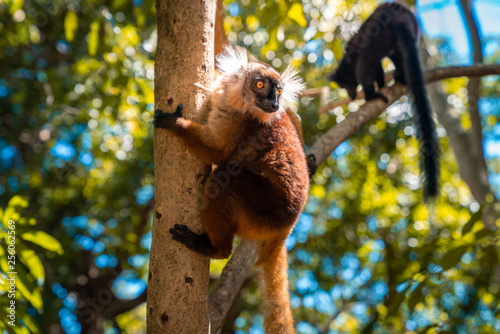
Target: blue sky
column 443, row 18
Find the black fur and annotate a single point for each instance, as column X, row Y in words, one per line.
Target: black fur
column 167, row 120
column 392, row 31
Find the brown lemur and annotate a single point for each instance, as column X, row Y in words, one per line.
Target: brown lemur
column 392, row 31
column 259, row 182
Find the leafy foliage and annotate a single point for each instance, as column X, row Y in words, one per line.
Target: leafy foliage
column 22, row 281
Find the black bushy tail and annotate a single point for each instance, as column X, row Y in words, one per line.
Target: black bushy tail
column 426, row 129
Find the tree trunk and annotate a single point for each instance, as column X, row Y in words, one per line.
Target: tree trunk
column 220, row 34
column 178, row 278
column 473, row 88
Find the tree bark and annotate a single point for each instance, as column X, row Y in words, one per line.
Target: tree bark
column 220, row 33
column 178, row 278
column 230, row 282
column 431, row 75
column 473, row 88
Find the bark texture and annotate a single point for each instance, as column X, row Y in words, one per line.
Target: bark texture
column 230, row 282
column 220, row 33
column 178, row 279
column 431, row 75
column 473, row 88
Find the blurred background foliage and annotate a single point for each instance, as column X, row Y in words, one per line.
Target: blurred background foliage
column 76, row 170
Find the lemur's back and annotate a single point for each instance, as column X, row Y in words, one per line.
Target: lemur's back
column 377, row 36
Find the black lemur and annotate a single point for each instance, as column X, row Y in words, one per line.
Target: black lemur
column 392, row 31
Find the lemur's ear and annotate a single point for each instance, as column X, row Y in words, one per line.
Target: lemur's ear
column 293, row 85
column 232, row 59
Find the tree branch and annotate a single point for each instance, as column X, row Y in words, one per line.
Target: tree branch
column 476, row 70
column 340, row 132
column 230, row 282
column 473, row 88
column 220, row 37
column 436, row 74
column 120, row 306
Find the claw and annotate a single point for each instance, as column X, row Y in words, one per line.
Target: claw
column 183, row 234
column 178, row 111
column 167, row 120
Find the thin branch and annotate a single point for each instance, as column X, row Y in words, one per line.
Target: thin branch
column 230, row 282
column 340, row 102
column 473, row 89
column 436, row 74
column 120, row 306
column 340, row 132
column 476, row 70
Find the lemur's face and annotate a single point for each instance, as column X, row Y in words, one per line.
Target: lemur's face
column 256, row 88
column 266, row 86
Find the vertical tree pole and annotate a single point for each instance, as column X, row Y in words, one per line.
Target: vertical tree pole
column 178, row 278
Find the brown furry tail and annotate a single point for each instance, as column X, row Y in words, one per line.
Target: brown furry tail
column 277, row 314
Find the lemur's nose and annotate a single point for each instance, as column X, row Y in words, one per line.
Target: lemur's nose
column 275, row 106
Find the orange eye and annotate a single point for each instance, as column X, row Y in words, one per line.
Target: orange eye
column 259, row 84
column 279, row 91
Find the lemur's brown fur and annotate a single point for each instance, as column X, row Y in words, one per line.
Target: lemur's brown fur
column 259, row 182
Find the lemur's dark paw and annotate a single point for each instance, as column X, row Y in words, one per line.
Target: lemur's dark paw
column 377, row 95
column 183, row 234
column 400, row 79
column 167, row 120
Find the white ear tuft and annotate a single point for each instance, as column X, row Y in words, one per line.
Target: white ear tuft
column 232, row 59
column 292, row 84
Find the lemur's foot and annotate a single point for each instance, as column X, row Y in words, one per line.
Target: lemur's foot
column 167, row 120
column 400, row 78
column 377, row 95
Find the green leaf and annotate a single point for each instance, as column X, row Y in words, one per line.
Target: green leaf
column 93, row 41
column 27, row 221
column 470, row 224
column 19, row 202
column 25, row 288
column 70, row 25
column 337, row 49
column 484, row 233
column 452, row 257
column 16, row 205
column 44, row 240
column 490, row 257
column 296, row 13
column 269, row 16
column 31, row 325
column 32, row 262
column 426, row 329
column 5, row 326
